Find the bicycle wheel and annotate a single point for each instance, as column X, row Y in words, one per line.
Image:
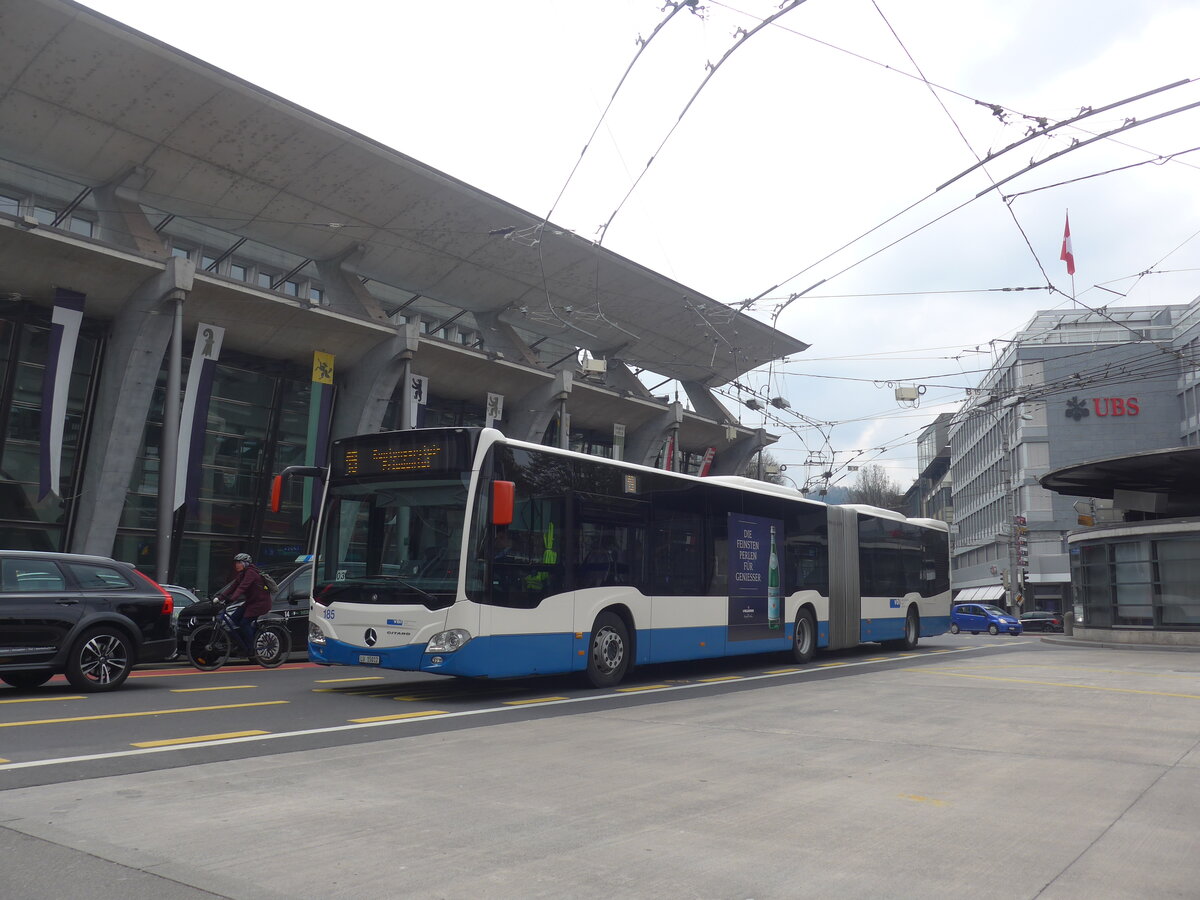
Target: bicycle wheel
column 272, row 645
column 208, row 648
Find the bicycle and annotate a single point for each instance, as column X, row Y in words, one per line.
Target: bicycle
column 211, row 645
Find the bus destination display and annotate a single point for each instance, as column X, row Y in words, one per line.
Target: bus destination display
column 401, row 454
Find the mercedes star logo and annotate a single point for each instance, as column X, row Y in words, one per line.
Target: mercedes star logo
column 370, row 637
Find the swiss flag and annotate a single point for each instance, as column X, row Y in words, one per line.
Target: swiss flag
column 1068, row 255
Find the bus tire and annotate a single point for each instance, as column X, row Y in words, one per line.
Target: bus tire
column 608, row 651
column 912, row 630
column 912, row 633
column 804, row 638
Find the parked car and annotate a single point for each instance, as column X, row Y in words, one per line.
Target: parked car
column 289, row 603
column 183, row 599
column 90, row 617
column 977, row 617
column 1041, row 620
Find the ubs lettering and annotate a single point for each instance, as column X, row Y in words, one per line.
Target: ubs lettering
column 1115, row 406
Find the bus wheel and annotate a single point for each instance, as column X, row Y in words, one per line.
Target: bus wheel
column 608, row 653
column 804, row 640
column 912, row 633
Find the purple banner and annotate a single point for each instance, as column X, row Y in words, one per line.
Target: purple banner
column 56, row 384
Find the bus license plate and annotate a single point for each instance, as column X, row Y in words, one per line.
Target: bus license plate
column 368, row 660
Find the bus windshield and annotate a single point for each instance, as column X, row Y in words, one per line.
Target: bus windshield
column 393, row 542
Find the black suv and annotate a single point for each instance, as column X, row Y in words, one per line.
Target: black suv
column 89, row 616
column 289, row 603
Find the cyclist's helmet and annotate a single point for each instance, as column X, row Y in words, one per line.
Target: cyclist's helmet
column 243, row 558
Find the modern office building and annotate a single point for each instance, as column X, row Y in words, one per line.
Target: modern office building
column 1073, row 385
column 1135, row 554
column 158, row 215
column 929, row 496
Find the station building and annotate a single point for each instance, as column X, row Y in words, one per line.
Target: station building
column 158, row 215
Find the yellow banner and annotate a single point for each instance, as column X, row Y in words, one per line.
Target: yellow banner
column 322, row 367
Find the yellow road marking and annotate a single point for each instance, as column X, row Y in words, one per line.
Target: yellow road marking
column 781, row 671
column 148, row 712
column 917, row 798
column 721, row 678
column 1088, row 687
column 645, row 687
column 197, row 739
column 43, row 699
column 417, row 698
column 335, row 680
column 4, row 761
column 829, row 665
column 1191, row 675
column 416, row 715
column 877, row 659
column 224, row 687
column 538, row 700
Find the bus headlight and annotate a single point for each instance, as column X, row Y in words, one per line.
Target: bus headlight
column 315, row 634
column 448, row 641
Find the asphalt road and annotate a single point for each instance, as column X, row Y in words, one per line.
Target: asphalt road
column 976, row 766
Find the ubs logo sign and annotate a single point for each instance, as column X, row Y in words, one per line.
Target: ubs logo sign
column 1103, row 406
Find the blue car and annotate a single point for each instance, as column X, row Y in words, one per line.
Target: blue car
column 977, row 617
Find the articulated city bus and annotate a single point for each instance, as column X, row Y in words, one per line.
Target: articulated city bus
column 460, row 552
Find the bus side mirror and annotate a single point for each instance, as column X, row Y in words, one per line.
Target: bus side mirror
column 299, row 471
column 503, row 497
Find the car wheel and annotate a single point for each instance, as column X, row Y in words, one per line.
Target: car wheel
column 608, row 654
column 26, row 680
column 804, row 639
column 954, row 628
column 101, row 660
column 992, row 629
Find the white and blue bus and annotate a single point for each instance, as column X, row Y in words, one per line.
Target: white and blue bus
column 457, row 551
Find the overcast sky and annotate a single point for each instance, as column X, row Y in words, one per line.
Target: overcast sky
column 816, row 130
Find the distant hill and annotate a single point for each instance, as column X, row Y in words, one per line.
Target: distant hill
column 835, row 496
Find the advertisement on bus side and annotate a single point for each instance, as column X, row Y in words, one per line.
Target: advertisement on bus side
column 756, row 588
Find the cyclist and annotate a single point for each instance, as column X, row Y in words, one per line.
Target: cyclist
column 249, row 587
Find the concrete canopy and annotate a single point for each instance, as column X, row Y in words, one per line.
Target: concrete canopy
column 1175, row 470
column 86, row 98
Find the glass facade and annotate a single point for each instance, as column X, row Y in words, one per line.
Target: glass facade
column 1144, row 582
column 257, row 425
column 25, row 521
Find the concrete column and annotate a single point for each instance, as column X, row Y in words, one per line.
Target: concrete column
column 530, row 414
column 122, row 221
column 620, row 378
column 132, row 360
column 733, row 458
column 366, row 389
column 706, row 404
column 344, row 290
column 643, row 444
column 502, row 338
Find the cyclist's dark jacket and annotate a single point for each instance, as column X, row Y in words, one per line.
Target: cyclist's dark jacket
column 248, row 585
